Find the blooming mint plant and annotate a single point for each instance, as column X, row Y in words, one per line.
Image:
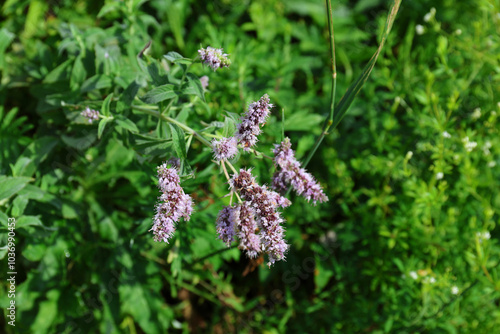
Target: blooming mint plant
column 253, row 218
column 255, row 221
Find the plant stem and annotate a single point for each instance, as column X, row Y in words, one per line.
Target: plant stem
column 223, row 165
column 232, row 167
column 173, row 121
column 329, row 120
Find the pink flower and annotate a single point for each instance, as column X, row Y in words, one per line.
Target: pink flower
column 265, row 204
column 90, row 114
column 225, row 148
column 252, row 120
column 214, row 57
column 226, row 225
column 173, row 204
column 292, row 174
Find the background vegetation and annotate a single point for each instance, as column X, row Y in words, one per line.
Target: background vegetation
column 407, row 244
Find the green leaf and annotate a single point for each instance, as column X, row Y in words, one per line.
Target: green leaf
column 6, row 38
column 36, row 152
column 11, row 185
column 80, row 143
column 302, row 121
column 60, row 73
column 152, row 146
column 106, row 105
column 47, row 313
column 130, row 92
column 97, row 81
column 157, row 75
column 24, row 221
column 174, row 57
column 78, row 74
column 127, row 124
column 102, row 125
column 195, row 84
column 3, row 252
column 178, row 141
column 18, row 205
column 34, row 252
column 159, row 94
column 229, row 127
column 110, row 7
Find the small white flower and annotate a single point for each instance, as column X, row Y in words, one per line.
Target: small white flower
column 413, row 274
column 106, row 55
column 486, row 148
column 419, row 29
column 469, row 145
column 454, row 290
column 492, row 164
column 458, row 32
column 446, row 134
column 409, row 155
column 483, row 236
column 430, row 15
column 432, row 280
column 477, row 113
column 439, row 176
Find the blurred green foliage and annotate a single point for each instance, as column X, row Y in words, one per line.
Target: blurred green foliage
column 407, row 244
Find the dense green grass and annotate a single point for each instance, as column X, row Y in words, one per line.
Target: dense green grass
column 408, row 242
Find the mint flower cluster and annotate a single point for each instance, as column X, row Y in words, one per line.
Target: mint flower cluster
column 173, row 203
column 255, row 221
column 261, row 205
column 247, row 130
column 225, row 148
column 214, row 58
column 291, row 174
column 90, row 114
column 251, row 122
column 239, row 221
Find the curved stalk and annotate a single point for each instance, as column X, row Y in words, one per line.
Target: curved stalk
column 329, row 120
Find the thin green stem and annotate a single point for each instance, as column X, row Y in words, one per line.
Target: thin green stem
column 232, row 167
column 173, row 121
column 223, row 165
column 329, row 120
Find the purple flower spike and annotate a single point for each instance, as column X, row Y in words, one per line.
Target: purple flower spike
column 265, row 204
column 225, row 148
column 90, row 114
column 244, row 217
column 226, row 225
column 173, row 204
column 214, row 57
column 252, row 120
column 292, row 174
